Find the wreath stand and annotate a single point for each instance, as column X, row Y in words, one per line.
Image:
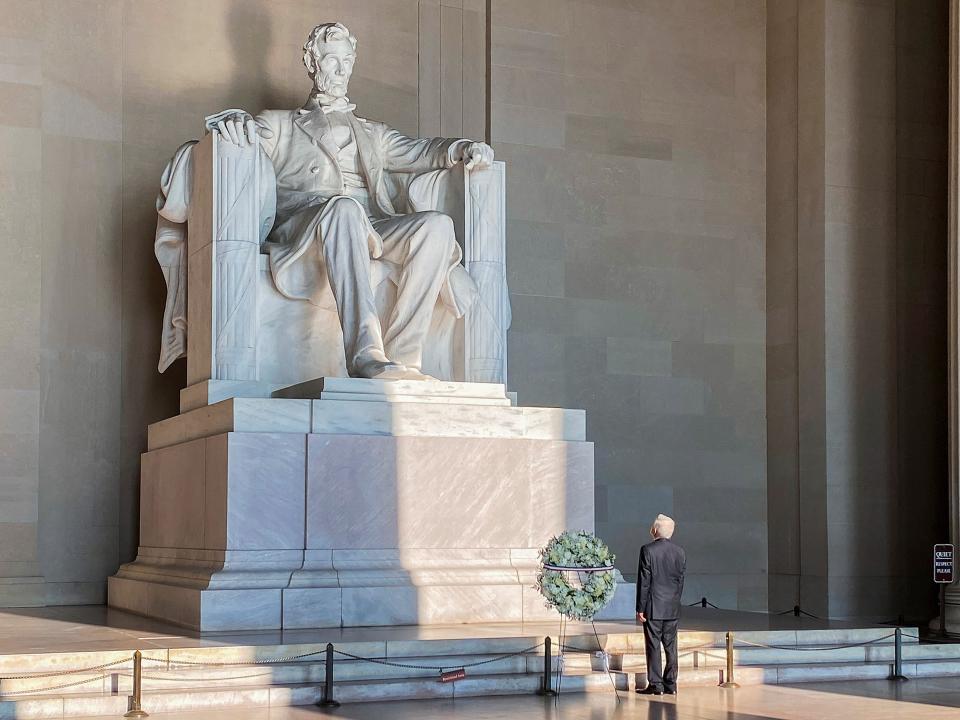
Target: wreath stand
column 561, row 644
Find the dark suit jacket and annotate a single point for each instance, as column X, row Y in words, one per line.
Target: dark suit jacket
column 660, row 580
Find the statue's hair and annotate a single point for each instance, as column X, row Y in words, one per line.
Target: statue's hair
column 663, row 526
column 324, row 33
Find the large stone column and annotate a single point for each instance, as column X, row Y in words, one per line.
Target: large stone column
column 953, row 164
column 856, row 302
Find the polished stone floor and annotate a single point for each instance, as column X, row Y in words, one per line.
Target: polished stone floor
column 96, row 628
column 933, row 699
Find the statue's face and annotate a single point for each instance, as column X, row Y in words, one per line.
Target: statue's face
column 335, row 68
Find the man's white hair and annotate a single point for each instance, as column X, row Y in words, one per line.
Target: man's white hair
column 663, row 526
column 321, row 34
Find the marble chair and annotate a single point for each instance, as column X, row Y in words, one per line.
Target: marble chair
column 242, row 338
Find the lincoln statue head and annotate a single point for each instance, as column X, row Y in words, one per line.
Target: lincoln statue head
column 329, row 54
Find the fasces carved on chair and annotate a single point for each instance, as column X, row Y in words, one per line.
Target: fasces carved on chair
column 314, row 243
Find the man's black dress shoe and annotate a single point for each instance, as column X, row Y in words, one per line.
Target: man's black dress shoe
column 650, row 690
column 670, row 692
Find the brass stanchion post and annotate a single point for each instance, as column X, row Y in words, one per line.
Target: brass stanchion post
column 135, row 710
column 546, row 686
column 729, row 683
column 327, row 699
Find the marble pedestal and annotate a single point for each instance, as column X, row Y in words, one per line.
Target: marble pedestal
column 356, row 502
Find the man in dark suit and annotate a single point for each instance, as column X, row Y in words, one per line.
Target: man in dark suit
column 659, row 587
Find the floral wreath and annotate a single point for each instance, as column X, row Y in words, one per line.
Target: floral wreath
column 580, row 554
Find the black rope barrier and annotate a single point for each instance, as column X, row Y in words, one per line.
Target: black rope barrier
column 440, row 668
column 238, row 663
column 60, row 673
column 35, row 691
column 549, row 667
column 813, row 647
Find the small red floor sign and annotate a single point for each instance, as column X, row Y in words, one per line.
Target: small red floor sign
column 453, row 675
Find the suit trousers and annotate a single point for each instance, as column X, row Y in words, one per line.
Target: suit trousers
column 420, row 244
column 655, row 633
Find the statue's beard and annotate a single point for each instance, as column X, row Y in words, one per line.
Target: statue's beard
column 325, row 85
column 331, row 97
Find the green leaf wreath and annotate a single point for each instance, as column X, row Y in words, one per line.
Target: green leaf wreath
column 572, row 550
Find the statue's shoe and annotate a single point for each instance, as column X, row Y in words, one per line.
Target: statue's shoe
column 414, row 374
column 378, row 370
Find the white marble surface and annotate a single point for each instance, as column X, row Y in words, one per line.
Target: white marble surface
column 248, row 530
column 371, row 416
column 362, row 389
column 230, row 491
column 340, row 170
column 233, row 415
column 209, row 392
column 446, row 420
column 444, row 493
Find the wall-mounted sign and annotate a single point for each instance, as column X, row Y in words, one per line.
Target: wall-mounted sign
column 943, row 564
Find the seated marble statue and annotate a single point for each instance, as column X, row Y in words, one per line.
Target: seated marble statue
column 331, row 198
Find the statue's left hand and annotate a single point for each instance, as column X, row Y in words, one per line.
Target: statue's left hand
column 478, row 156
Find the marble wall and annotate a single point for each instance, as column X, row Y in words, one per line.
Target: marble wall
column 21, row 237
column 634, row 137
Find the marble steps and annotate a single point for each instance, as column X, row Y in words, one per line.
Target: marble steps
column 815, row 672
column 286, row 695
column 300, row 672
column 633, row 642
column 161, row 677
column 179, row 685
column 711, row 659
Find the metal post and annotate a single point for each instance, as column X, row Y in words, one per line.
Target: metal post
column 546, row 685
column 943, row 610
column 327, row 699
column 135, row 710
column 729, row 683
column 897, row 673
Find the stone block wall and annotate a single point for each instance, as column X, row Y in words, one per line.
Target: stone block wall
column 634, row 137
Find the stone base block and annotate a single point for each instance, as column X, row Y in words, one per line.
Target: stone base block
column 312, row 607
column 199, row 609
column 396, row 416
column 26, row 591
column 263, row 530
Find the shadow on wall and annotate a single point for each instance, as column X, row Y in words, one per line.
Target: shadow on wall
column 161, row 54
column 180, row 65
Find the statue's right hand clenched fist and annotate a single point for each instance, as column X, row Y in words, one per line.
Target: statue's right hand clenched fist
column 238, row 127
